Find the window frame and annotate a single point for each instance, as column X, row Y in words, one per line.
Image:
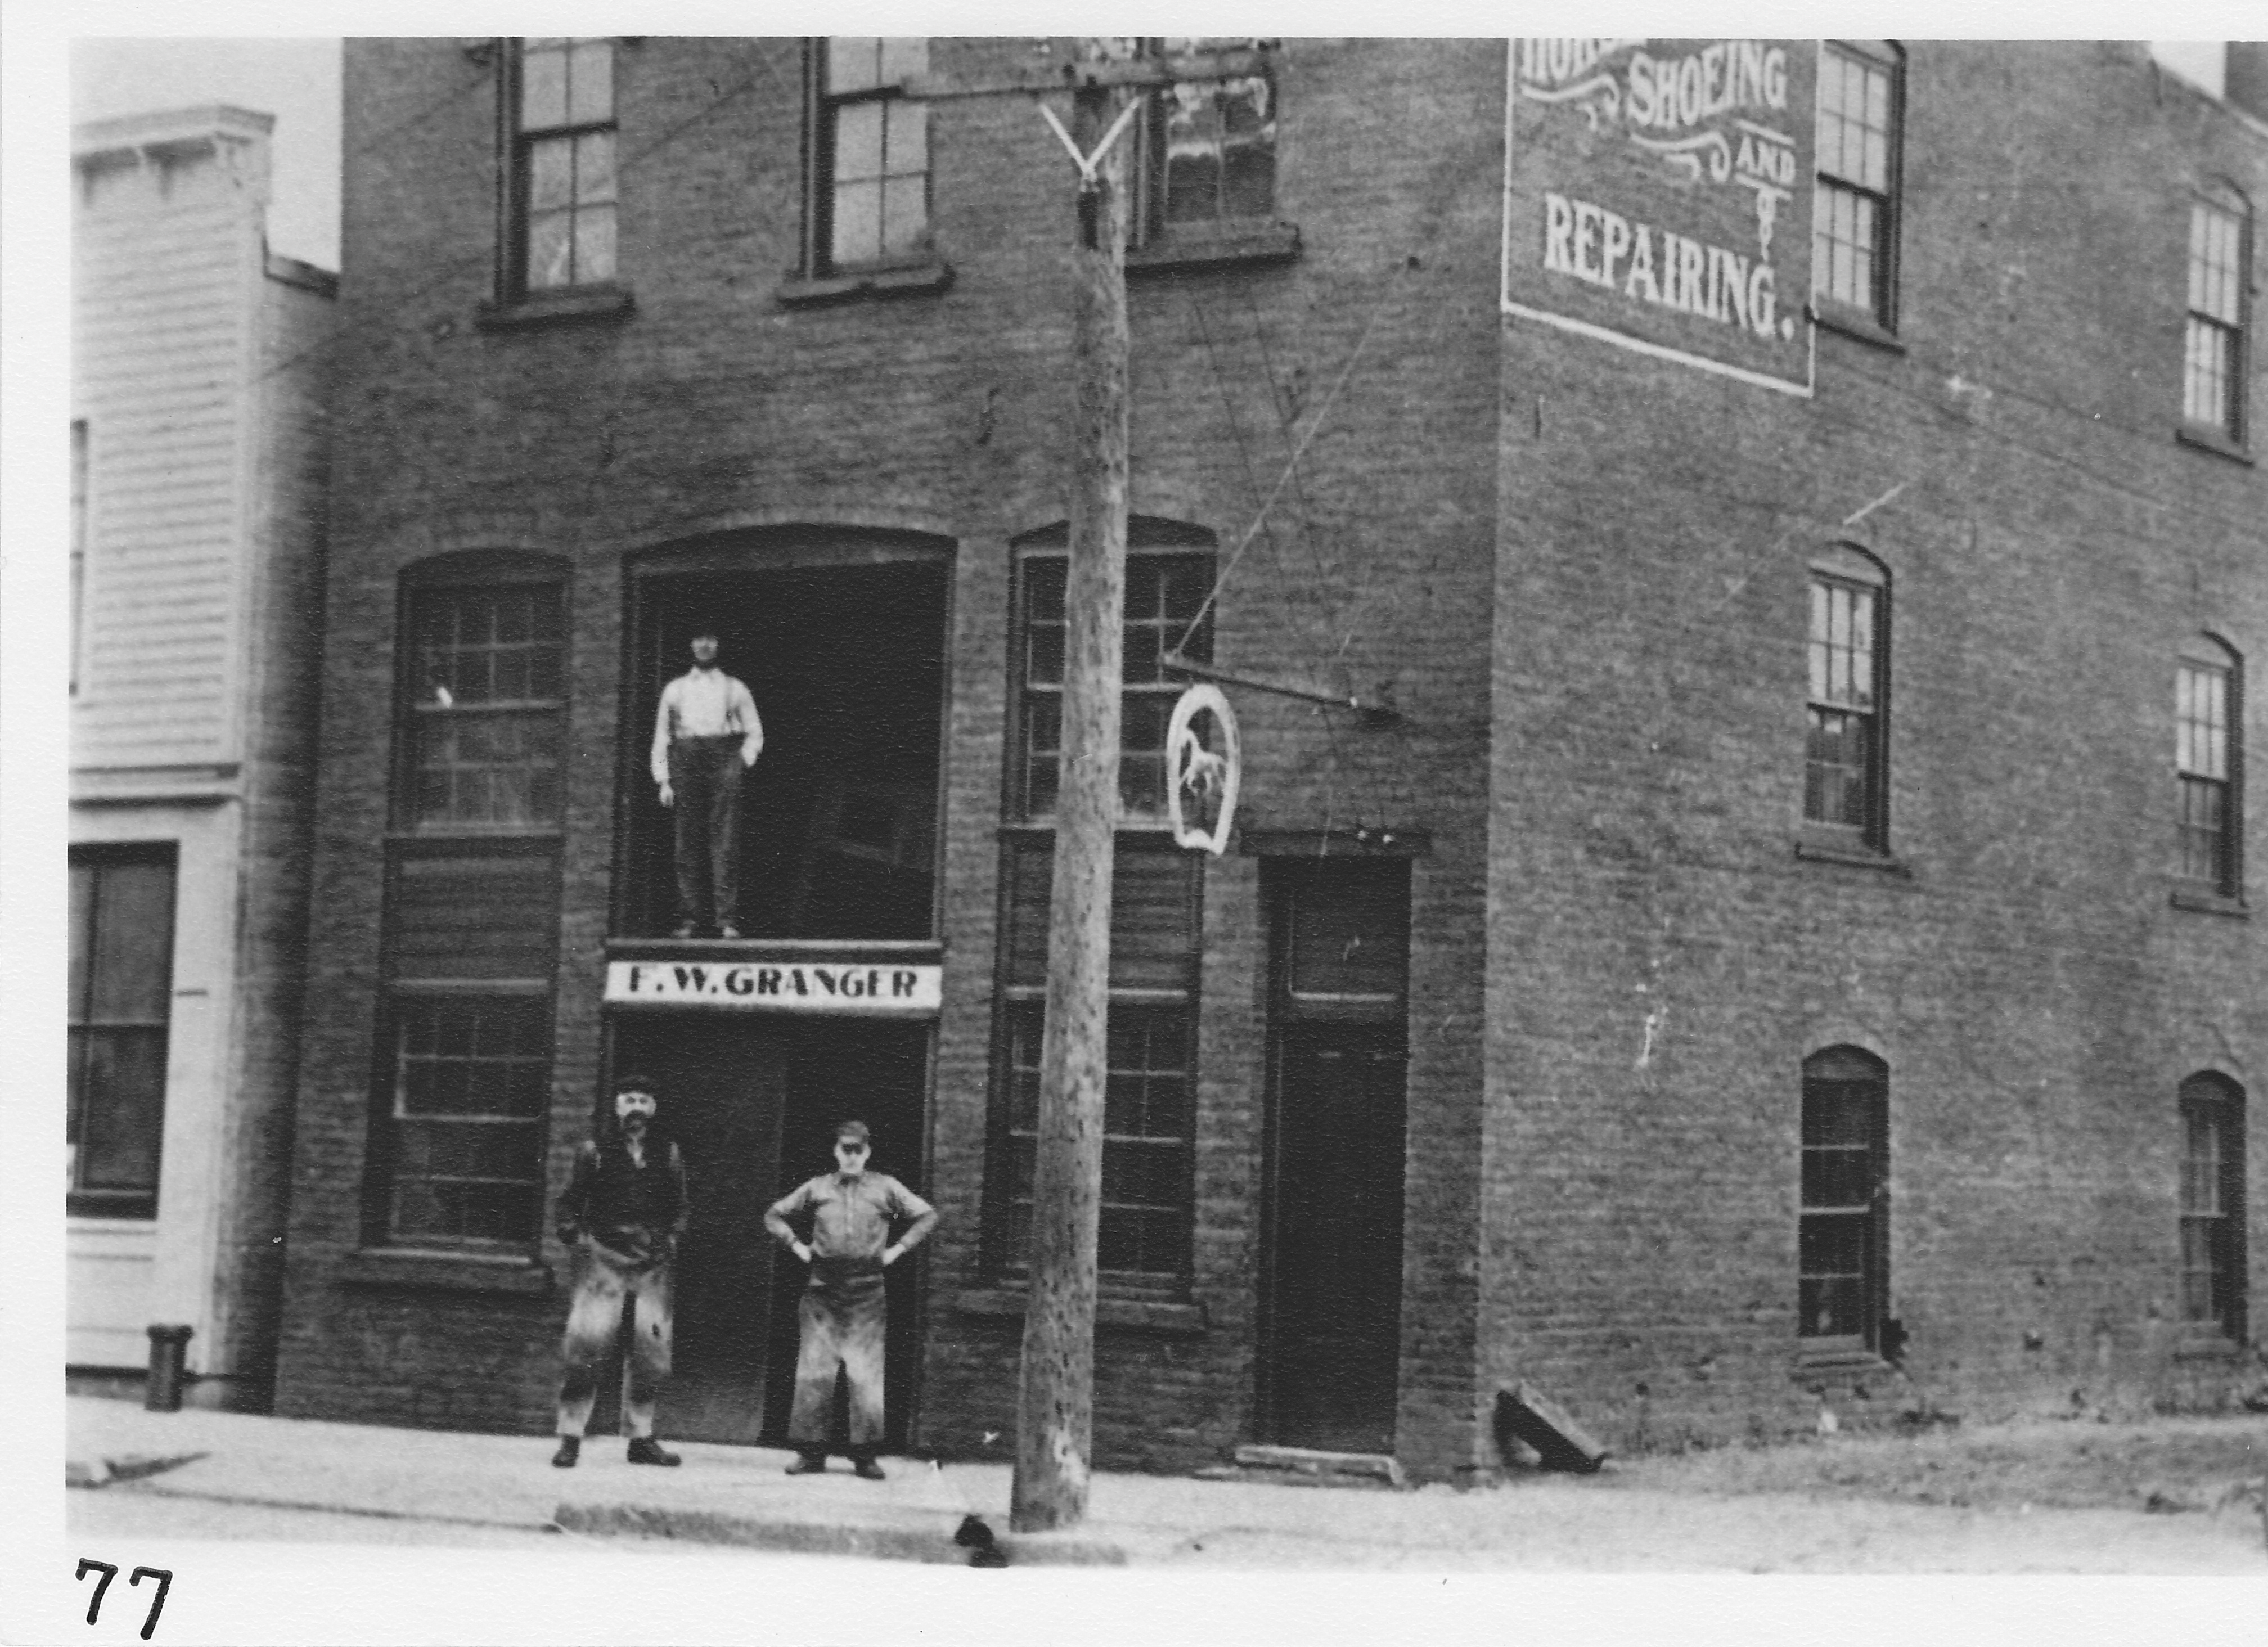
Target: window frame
column 84, row 1029
column 822, row 107
column 2232, row 428
column 517, row 144
column 2212, row 1105
column 82, row 474
column 1149, row 223
column 1194, row 550
column 1850, row 571
column 460, row 575
column 2206, row 657
column 1844, row 1068
column 1880, row 316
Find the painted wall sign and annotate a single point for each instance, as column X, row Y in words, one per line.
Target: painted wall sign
column 886, row 989
column 1657, row 198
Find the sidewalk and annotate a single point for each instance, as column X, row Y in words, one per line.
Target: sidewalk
column 739, row 1496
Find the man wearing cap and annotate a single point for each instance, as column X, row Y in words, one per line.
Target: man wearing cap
column 851, row 1213
column 623, row 1210
column 705, row 736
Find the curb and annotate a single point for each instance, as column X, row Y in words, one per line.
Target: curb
column 875, row 1540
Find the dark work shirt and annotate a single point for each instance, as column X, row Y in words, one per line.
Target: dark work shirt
column 623, row 1204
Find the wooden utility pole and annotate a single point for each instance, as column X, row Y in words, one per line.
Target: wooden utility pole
column 1054, row 1409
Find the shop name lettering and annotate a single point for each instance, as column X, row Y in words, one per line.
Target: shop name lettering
column 1659, row 93
column 809, row 981
column 1608, row 249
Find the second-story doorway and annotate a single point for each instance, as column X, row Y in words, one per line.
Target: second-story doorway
column 841, row 643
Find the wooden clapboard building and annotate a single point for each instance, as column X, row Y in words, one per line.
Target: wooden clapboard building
column 1546, row 971
column 197, row 452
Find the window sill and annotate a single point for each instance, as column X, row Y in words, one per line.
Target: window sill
column 800, row 291
column 451, row 1272
column 1148, row 1315
column 1857, row 324
column 2203, row 903
column 2216, row 441
column 1044, row 829
column 562, row 306
column 1255, row 243
column 1812, row 851
column 2200, row 1342
column 1812, row 1360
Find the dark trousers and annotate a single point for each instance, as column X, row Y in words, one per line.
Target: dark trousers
column 843, row 1321
column 705, row 772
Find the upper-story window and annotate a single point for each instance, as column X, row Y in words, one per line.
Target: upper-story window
column 2212, row 357
column 1165, row 595
column 562, row 162
column 869, row 189
column 1854, row 223
column 77, row 543
column 485, row 708
column 1208, row 147
column 2207, row 765
column 1846, row 776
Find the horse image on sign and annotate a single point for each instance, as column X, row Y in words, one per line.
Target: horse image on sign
column 1204, row 765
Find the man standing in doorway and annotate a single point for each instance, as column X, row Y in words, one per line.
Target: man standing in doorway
column 705, row 736
column 843, row 1313
column 623, row 1210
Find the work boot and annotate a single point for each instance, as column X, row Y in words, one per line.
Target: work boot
column 808, row 1464
column 863, row 1466
column 646, row 1450
column 571, row 1448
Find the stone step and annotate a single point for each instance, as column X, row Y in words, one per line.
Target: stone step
column 1310, row 1466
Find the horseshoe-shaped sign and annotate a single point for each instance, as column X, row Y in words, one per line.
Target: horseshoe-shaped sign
column 1204, row 765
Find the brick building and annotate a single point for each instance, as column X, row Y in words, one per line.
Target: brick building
column 198, row 454
column 1560, row 1015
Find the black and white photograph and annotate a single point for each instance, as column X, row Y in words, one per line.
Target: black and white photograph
column 1123, row 837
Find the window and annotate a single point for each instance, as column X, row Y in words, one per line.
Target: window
column 121, row 971
column 1845, row 755
column 2207, row 764
column 1146, row 1137
column 562, row 163
column 77, row 543
column 2213, row 1204
column 2212, row 359
column 1841, row 1237
column 485, row 708
column 1854, row 223
column 471, row 1080
column 870, row 154
column 1208, row 147
column 1164, row 594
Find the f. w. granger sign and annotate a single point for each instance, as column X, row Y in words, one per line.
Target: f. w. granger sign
column 1658, row 197
column 885, row 989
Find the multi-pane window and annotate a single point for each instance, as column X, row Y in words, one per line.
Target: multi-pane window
column 563, row 154
column 1165, row 595
column 1854, row 209
column 2205, row 764
column 870, row 192
column 121, row 958
column 1210, row 147
column 2213, row 360
column 1844, row 750
column 1842, row 1277
column 77, row 541
column 485, row 707
column 471, row 1081
column 1146, row 1137
column 2213, row 1204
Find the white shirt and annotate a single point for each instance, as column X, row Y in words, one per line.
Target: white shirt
column 704, row 704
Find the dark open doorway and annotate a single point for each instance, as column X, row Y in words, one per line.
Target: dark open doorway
column 752, row 1100
column 1331, row 1280
column 838, row 822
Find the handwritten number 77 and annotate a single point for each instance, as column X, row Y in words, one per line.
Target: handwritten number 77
column 164, row 1577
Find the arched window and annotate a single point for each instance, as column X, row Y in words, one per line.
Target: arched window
column 2208, row 765
column 2213, row 1204
column 1842, row 1235
column 1846, row 754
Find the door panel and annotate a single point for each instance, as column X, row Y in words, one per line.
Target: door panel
column 1334, row 1276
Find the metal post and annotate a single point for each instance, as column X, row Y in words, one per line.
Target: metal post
column 169, row 1358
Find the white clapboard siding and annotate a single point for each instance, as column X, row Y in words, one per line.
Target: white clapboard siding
column 170, row 270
